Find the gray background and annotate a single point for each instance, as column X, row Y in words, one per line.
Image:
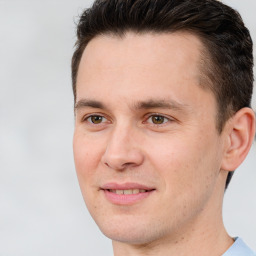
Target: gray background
column 41, row 208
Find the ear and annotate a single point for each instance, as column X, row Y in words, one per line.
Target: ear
column 240, row 133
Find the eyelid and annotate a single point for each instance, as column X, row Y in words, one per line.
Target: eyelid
column 87, row 116
column 146, row 118
column 169, row 118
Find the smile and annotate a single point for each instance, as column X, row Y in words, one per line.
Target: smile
column 127, row 191
column 126, row 194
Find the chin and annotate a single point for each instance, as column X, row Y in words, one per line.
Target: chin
column 132, row 237
column 131, row 231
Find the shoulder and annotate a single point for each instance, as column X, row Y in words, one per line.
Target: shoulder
column 239, row 248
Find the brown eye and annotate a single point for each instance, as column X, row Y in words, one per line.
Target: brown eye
column 156, row 119
column 96, row 119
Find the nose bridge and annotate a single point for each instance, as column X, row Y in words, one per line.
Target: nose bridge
column 122, row 150
column 121, row 136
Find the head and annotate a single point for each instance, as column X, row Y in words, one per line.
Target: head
column 162, row 89
column 227, row 60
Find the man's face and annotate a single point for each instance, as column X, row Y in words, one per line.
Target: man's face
column 146, row 148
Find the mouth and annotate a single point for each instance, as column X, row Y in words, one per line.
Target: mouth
column 127, row 191
column 126, row 194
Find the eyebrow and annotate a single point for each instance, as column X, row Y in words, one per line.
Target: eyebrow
column 89, row 103
column 148, row 104
column 161, row 103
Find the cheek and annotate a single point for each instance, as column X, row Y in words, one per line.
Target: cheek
column 87, row 155
column 87, row 158
column 172, row 153
column 189, row 172
column 184, row 163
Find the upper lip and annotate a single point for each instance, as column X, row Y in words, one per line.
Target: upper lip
column 125, row 186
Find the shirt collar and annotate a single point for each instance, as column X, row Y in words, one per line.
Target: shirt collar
column 239, row 248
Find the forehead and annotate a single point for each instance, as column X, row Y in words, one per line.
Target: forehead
column 141, row 65
column 171, row 51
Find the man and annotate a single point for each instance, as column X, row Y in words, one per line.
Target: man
column 162, row 103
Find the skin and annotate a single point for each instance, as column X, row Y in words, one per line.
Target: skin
column 130, row 82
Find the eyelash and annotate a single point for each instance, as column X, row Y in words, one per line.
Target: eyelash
column 147, row 118
column 150, row 116
column 86, row 118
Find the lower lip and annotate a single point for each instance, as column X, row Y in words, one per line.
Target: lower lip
column 126, row 199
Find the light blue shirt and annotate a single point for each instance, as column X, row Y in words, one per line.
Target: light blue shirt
column 239, row 248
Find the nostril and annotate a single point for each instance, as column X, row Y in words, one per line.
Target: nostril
column 122, row 159
column 119, row 167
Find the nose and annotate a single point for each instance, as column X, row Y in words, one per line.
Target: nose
column 123, row 150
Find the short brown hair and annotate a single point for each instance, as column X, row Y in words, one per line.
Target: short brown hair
column 228, row 57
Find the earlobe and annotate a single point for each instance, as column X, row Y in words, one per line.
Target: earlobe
column 241, row 132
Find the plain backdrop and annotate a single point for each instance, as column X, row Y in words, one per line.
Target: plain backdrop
column 41, row 208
